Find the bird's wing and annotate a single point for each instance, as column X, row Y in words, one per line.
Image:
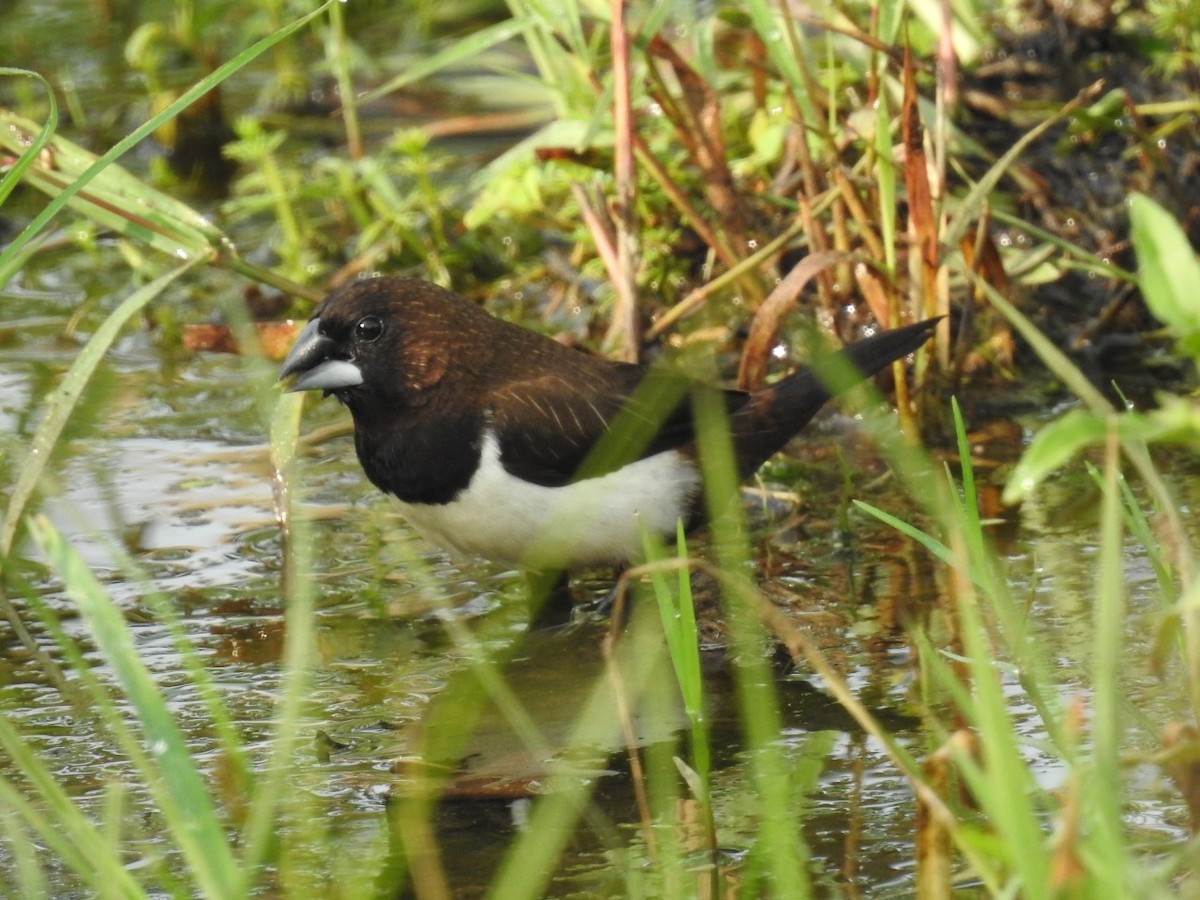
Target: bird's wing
column 555, row 429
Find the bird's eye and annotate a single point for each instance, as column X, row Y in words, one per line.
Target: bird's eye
column 367, row 329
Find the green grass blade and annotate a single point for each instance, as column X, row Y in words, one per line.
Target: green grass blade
column 179, row 788
column 300, row 641
column 26, row 871
column 971, row 207
column 31, row 149
column 62, row 826
column 1142, row 532
column 467, row 48
column 114, row 198
column 64, row 399
column 939, row 550
column 1057, row 361
column 677, row 613
column 30, row 880
column 784, row 853
column 1106, row 794
column 771, row 26
column 199, row 678
column 530, row 860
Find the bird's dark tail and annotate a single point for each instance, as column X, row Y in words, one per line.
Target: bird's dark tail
column 776, row 413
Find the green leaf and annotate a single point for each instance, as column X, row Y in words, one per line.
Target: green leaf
column 1053, row 446
column 1167, row 270
column 936, row 548
column 1176, row 421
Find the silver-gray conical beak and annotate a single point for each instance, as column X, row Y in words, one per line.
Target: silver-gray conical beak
column 309, row 360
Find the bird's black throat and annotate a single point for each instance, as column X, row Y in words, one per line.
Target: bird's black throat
column 427, row 462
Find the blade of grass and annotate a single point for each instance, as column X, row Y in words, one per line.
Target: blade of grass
column 678, row 617
column 785, row 855
column 1002, row 782
column 179, row 788
column 677, row 613
column 787, row 54
column 461, row 50
column 27, row 871
column 1135, row 450
column 58, row 410
column 64, row 399
column 236, row 772
column 531, row 858
column 987, row 618
column 64, row 828
column 114, row 198
column 556, row 28
column 337, row 51
column 1139, row 527
column 1105, row 788
column 969, row 209
column 299, row 651
column 32, row 148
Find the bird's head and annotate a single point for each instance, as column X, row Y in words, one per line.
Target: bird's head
column 379, row 340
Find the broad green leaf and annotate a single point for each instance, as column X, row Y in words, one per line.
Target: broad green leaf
column 1176, row 421
column 1167, row 270
column 1053, row 447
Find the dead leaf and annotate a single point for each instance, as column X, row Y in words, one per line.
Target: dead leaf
column 275, row 338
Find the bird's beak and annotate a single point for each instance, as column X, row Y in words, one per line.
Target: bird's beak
column 310, row 360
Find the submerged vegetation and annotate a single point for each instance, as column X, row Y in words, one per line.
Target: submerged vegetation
column 644, row 179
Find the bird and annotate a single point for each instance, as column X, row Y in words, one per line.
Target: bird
column 504, row 444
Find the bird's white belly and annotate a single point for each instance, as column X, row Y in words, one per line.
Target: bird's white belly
column 505, row 519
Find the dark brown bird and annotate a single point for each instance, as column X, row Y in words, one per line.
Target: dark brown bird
column 501, row 443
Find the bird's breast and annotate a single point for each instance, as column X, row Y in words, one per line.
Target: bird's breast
column 508, row 520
